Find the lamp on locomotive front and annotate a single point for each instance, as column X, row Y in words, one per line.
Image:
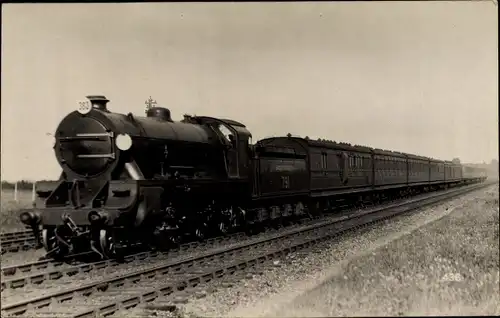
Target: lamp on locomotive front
column 123, row 142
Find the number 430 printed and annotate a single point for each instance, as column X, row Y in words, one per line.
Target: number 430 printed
column 452, row 277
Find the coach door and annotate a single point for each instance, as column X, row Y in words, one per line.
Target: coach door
column 344, row 167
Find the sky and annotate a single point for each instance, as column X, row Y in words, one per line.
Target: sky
column 417, row 77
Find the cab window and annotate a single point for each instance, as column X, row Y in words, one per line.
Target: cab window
column 226, row 133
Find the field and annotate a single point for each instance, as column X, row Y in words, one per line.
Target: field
column 447, row 267
column 9, row 220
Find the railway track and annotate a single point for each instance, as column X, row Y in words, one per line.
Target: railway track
column 16, row 235
column 187, row 275
column 49, row 269
column 14, row 270
column 13, row 242
column 38, row 272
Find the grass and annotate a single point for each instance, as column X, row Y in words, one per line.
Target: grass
column 449, row 267
column 9, row 220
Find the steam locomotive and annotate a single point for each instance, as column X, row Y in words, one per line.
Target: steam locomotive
column 129, row 179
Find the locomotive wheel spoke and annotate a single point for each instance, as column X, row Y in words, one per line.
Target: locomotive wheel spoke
column 46, row 240
column 200, row 233
column 52, row 246
column 107, row 244
column 175, row 239
column 225, row 225
column 222, row 228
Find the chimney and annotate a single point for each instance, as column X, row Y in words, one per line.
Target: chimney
column 98, row 102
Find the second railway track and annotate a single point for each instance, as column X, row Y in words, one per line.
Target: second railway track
column 16, row 235
column 17, row 241
column 194, row 273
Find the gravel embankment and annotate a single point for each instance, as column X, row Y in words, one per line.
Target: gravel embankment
column 392, row 269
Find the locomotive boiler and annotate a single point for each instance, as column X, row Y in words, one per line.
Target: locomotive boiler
column 127, row 178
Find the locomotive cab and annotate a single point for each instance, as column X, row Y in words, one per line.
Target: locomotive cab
column 234, row 138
